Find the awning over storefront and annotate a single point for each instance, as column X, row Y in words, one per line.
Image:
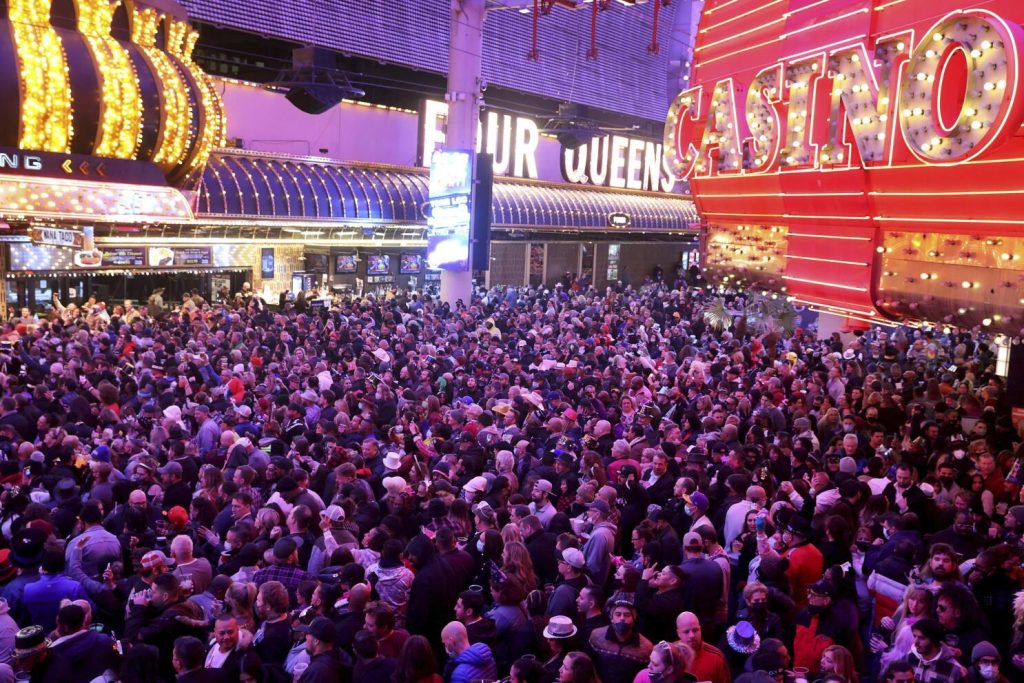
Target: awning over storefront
column 248, row 185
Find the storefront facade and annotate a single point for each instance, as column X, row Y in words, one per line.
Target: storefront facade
column 128, row 184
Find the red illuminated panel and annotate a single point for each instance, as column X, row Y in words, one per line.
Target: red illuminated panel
column 854, row 125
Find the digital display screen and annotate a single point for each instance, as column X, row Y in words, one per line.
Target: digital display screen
column 316, row 263
column 411, row 264
column 345, row 263
column 379, row 264
column 450, row 215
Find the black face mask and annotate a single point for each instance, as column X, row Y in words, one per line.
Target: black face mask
column 816, row 609
column 759, row 609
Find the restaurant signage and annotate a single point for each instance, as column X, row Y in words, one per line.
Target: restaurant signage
column 57, row 237
column 171, row 257
column 131, row 257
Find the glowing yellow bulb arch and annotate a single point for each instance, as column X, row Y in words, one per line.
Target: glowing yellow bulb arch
column 191, row 117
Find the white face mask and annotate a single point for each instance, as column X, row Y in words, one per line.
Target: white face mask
column 988, row 671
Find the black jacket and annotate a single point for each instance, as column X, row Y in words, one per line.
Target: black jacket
column 202, row 676
column 326, row 667
column 88, row 653
column 658, row 611
column 160, row 627
column 432, row 595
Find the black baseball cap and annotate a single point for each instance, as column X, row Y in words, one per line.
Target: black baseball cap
column 322, row 629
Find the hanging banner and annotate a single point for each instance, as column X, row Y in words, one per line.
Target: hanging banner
column 58, row 237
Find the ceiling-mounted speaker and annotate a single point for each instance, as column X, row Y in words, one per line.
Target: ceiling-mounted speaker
column 314, row 84
column 571, row 127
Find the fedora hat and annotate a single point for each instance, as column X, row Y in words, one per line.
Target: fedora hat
column 559, row 627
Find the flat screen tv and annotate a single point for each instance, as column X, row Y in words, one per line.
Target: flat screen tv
column 345, row 264
column 378, row 264
column 316, row 263
column 411, row 264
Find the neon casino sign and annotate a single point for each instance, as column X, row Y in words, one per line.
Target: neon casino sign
column 827, row 144
column 945, row 97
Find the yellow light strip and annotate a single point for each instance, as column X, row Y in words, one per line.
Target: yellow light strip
column 46, row 106
column 740, row 34
column 835, row 310
column 213, row 133
column 824, row 284
column 177, row 114
column 745, row 14
column 888, row 5
column 805, row 8
column 950, row 220
column 829, row 237
column 121, row 117
column 826, row 260
column 811, row 27
column 789, row 215
column 722, row 6
column 817, row 306
column 946, row 194
column 704, row 195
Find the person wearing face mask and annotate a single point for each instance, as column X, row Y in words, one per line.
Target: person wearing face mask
column 620, row 651
column 985, row 661
column 947, row 486
column 697, row 505
column 758, row 612
column 819, row 625
column 668, row 664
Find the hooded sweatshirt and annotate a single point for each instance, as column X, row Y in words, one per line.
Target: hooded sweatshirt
column 474, row 663
column 392, row 586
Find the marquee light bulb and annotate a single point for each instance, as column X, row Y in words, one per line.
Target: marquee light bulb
column 986, row 44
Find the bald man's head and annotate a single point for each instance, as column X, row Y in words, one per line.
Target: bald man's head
column 688, row 630
column 756, row 494
column 454, row 637
column 358, row 596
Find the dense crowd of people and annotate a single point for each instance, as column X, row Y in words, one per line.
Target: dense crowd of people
column 569, row 485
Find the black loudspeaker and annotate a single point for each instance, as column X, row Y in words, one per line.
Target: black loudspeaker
column 481, row 237
column 315, row 99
